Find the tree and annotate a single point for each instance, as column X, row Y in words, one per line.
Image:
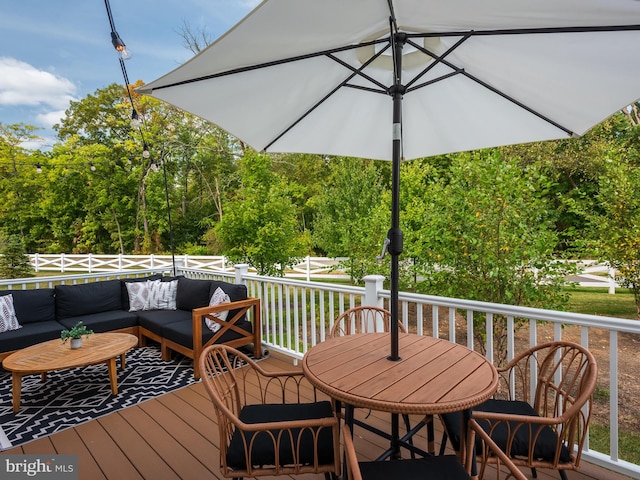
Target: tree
column 14, row 261
column 259, row 225
column 615, row 225
column 485, row 231
column 352, row 215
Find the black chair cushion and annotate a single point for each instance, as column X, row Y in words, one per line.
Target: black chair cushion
column 263, row 451
column 444, row 467
column 544, row 449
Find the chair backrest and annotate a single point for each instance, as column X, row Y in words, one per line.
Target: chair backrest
column 564, row 375
column 217, row 369
column 363, row 319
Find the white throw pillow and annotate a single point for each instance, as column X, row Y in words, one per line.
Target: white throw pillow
column 138, row 295
column 162, row 295
column 217, row 298
column 8, row 319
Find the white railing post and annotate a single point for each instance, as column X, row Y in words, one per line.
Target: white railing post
column 372, row 286
column 90, row 263
column 308, row 268
column 62, row 262
column 241, row 269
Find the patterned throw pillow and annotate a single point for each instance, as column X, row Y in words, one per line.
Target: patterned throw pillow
column 162, row 295
column 217, row 298
column 8, row 319
column 138, row 295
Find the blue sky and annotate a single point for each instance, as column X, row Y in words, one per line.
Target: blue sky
column 52, row 52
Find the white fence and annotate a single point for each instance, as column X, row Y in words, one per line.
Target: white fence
column 591, row 273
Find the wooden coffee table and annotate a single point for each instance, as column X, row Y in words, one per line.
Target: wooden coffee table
column 55, row 355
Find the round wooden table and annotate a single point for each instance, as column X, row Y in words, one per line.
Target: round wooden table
column 433, row 376
column 55, row 355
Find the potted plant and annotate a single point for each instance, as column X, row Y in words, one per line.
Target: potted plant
column 75, row 334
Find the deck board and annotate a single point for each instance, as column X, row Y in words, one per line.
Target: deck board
column 175, row 436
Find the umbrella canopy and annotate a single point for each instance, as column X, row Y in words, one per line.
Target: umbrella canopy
column 394, row 79
column 297, row 76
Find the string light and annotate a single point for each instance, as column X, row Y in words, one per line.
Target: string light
column 145, row 151
column 38, row 168
column 119, row 45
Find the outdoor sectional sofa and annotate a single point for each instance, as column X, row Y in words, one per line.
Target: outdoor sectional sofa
column 104, row 306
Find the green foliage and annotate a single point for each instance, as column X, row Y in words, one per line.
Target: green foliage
column 79, row 330
column 352, row 215
column 259, row 227
column 14, row 261
column 484, row 231
column 615, row 225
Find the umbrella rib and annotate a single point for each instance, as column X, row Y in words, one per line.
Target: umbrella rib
column 273, row 63
column 457, row 70
column 344, row 83
column 438, row 58
column 359, row 72
column 530, row 31
column 568, row 131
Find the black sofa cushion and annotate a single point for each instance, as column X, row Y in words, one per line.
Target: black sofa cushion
column 544, row 449
column 32, row 306
column 87, row 298
column 182, row 333
column 155, row 320
column 192, row 293
column 125, row 294
column 263, row 452
column 30, row 334
column 103, row 321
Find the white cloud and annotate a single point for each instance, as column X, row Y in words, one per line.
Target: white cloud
column 21, row 84
column 51, row 118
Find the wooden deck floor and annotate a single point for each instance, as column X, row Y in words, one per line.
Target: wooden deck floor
column 175, row 436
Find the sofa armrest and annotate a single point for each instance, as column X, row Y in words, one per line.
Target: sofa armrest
column 249, row 306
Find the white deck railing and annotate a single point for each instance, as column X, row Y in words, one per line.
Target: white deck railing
column 297, row 314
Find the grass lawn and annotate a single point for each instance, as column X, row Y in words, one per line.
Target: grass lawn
column 597, row 301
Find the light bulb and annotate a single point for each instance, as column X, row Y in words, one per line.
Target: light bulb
column 145, row 151
column 135, row 119
column 92, row 167
column 38, row 168
column 120, row 47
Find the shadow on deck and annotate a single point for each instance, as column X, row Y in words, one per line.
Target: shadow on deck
column 175, row 436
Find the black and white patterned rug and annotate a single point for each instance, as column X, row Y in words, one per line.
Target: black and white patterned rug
column 68, row 398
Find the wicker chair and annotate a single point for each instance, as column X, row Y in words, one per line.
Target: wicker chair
column 364, row 319
column 441, row 467
column 540, row 412
column 278, row 435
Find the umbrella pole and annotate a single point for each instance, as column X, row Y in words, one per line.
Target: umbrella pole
column 395, row 233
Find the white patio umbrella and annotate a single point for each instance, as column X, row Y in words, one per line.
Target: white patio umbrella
column 401, row 79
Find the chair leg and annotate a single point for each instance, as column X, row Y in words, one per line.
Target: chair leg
column 430, row 435
column 563, row 474
column 407, row 425
column 443, row 442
